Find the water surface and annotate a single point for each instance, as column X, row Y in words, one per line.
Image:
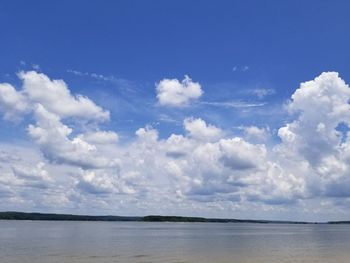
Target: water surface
column 102, row 242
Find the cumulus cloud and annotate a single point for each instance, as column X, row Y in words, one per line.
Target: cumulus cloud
column 102, row 182
column 312, row 138
column 198, row 129
column 203, row 166
column 255, row 133
column 50, row 101
column 12, row 103
column 241, row 155
column 321, row 105
column 21, row 170
column 100, row 137
column 172, row 92
column 36, row 176
column 54, row 95
column 53, row 138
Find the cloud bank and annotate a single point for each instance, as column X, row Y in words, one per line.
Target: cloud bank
column 203, row 170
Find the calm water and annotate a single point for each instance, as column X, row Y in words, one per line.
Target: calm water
column 38, row 242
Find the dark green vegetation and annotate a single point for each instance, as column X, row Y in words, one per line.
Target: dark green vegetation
column 339, row 222
column 63, row 217
column 151, row 218
column 197, row 219
column 157, row 218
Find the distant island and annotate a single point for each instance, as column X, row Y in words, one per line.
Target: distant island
column 150, row 218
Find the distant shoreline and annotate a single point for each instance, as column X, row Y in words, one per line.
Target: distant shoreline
column 151, row 218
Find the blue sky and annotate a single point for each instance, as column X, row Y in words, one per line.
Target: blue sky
column 282, row 44
column 244, row 61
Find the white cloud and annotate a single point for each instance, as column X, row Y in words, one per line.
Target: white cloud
column 37, row 173
column 12, row 102
column 203, row 167
column 178, row 146
column 254, row 133
column 241, row 155
column 99, row 137
column 321, row 105
column 147, row 135
column 198, row 129
column 312, row 138
column 102, row 182
column 55, row 96
column 36, row 176
column 121, row 83
column 234, row 104
column 262, row 93
column 53, row 138
column 172, row 92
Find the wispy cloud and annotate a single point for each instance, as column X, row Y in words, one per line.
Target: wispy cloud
column 240, row 68
column 24, row 64
column 124, row 83
column 36, row 67
column 166, row 118
column 234, row 104
column 262, row 93
column 245, row 68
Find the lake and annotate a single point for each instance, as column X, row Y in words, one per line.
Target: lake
column 100, row 242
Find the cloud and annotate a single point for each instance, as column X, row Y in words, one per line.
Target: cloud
column 321, row 105
column 255, row 133
column 238, row 154
column 312, row 138
column 123, row 83
column 202, row 166
column 198, row 129
column 36, row 176
column 262, row 93
column 100, row 137
column 100, row 182
column 234, row 104
column 36, row 67
column 172, row 92
column 12, row 103
column 177, row 146
column 52, row 94
column 53, row 138
column 22, row 170
column 241, row 68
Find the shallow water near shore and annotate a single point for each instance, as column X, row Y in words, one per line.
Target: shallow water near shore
column 102, row 242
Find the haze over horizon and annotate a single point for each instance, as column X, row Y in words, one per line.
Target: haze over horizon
column 227, row 110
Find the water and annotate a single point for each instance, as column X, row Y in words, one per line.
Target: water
column 100, row 242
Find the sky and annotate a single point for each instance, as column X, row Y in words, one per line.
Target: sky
column 234, row 109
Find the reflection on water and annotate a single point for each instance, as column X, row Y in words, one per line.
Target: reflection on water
column 100, row 242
